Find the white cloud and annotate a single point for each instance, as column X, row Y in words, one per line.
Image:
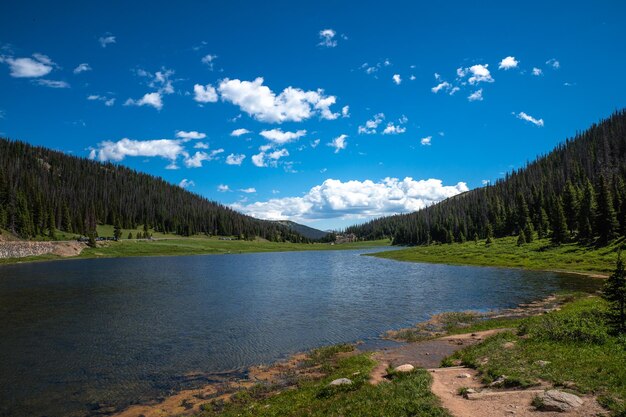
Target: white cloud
column 117, row 151
column 553, row 63
column 261, row 103
column 190, row 135
column 537, row 71
column 264, row 159
column 204, row 93
column 195, row 161
column 209, row 61
column 528, row 118
column 149, row 99
column 315, row 143
column 249, row 190
column 480, row 74
column 508, row 63
column 201, row 145
column 239, row 132
column 345, row 111
column 395, row 129
column 235, row 159
column 52, row 83
column 485, row 182
column 397, row 79
column 370, row 126
column 327, row 38
column 160, row 80
column 106, row 40
column 426, row 141
column 279, row 137
column 355, row 199
column 108, row 101
column 222, row 188
column 441, row 86
column 339, row 143
column 82, row 68
column 185, row 183
column 38, row 66
column 476, row 95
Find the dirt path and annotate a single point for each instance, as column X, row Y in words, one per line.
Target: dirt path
column 492, row 403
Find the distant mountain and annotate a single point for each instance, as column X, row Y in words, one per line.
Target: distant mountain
column 42, row 190
column 577, row 192
column 306, row 231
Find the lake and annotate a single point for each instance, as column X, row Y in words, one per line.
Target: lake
column 82, row 334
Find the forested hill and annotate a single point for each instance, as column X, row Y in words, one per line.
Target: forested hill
column 40, row 187
column 576, row 192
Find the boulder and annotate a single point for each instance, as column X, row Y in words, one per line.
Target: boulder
column 341, row 381
column 509, row 345
column 464, row 375
column 555, row 400
column 407, row 367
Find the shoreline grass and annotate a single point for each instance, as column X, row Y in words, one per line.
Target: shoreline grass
column 185, row 246
column 504, row 252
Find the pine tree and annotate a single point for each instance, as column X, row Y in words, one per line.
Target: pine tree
column 489, row 239
column 117, row 230
column 529, row 232
column 570, row 206
column 521, row 239
column 51, row 225
column 130, row 235
column 559, row 224
column 614, row 292
column 606, row 221
column 586, row 214
column 476, row 238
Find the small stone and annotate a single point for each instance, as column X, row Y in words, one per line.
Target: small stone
column 499, row 381
column 555, row 400
column 509, row 345
column 407, row 367
column 543, row 364
column 341, row 381
column 465, row 375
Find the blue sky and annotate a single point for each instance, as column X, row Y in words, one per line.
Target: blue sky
column 455, row 94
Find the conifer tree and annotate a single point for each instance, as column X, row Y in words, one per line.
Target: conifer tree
column 586, row 214
column 559, row 224
column 606, row 221
column 614, row 292
column 570, row 206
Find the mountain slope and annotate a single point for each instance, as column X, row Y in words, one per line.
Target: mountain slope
column 40, row 187
column 576, row 192
column 306, row 231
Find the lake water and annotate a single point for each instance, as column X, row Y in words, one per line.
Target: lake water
column 79, row 335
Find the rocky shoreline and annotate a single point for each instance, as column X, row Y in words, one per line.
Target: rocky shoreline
column 22, row 249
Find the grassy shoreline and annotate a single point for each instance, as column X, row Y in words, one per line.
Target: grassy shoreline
column 191, row 246
column 539, row 255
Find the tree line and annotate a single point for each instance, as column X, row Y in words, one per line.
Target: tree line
column 42, row 191
column 577, row 192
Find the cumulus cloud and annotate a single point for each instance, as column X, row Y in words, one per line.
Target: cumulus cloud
column 355, row 199
column 537, row 71
column 508, row 63
column 261, row 103
column 370, row 126
column 116, row 151
column 528, row 118
column 553, row 63
column 339, row 143
column 185, row 183
column 201, row 145
column 396, row 128
column 315, row 143
column 204, row 93
column 149, row 99
column 107, row 39
column 345, row 111
column 426, row 141
column 265, row 158
column 480, row 74
column 249, row 190
column 195, row 160
column 235, row 159
column 222, row 188
column 279, row 137
column 190, row 135
column 239, row 132
column 108, row 101
column 485, row 182
column 397, row 79
column 82, row 68
column 476, row 95
column 327, row 38
column 37, row 66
